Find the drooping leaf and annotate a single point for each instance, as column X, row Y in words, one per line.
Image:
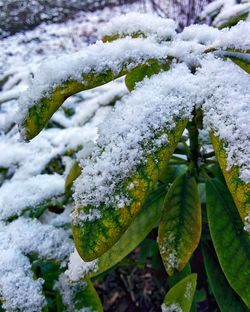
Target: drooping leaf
column 238, row 188
column 94, row 238
column 239, row 58
column 231, row 242
column 226, row 298
column 90, row 75
column 180, row 297
column 148, row 69
column 180, row 226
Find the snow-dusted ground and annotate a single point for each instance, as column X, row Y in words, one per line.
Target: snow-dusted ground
column 25, row 178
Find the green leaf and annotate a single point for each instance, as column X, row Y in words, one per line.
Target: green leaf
column 180, row 297
column 239, row 58
column 180, row 226
column 238, row 188
column 148, row 69
column 93, row 239
column 225, row 296
column 231, row 242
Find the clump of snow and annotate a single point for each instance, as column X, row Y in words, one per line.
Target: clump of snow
column 247, row 223
column 18, row 289
column 78, row 269
column 68, row 291
column 174, row 307
column 200, row 33
column 17, row 195
column 137, row 23
column 20, row 238
column 236, row 37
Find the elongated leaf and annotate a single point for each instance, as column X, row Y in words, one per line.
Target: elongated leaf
column 238, row 188
column 226, row 298
column 180, row 226
column 96, row 69
column 152, row 67
column 143, row 223
column 231, row 242
column 180, row 297
column 92, row 239
column 239, row 58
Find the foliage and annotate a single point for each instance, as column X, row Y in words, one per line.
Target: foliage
column 173, row 153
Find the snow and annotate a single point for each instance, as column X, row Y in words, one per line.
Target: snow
column 174, row 307
column 16, row 282
column 18, row 239
column 202, row 34
column 68, row 292
column 236, row 37
column 78, row 269
column 17, row 195
column 137, row 23
column 230, row 12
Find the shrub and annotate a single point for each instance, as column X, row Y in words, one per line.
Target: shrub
column 174, row 153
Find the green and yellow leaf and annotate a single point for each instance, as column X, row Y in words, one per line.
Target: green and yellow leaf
column 180, row 225
column 231, row 242
column 92, row 239
column 143, row 223
column 238, row 188
column 180, row 297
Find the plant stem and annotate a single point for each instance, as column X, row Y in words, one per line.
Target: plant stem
column 194, row 148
